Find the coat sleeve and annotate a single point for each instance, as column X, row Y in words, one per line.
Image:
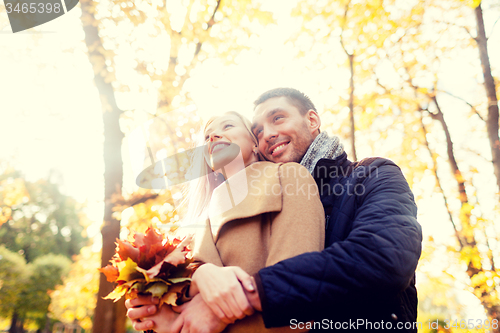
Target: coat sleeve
column 298, row 228
column 380, row 253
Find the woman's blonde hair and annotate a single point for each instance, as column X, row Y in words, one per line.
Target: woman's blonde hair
column 200, row 189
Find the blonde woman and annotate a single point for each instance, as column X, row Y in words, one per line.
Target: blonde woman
column 246, row 213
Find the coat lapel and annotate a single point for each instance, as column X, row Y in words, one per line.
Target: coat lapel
column 253, row 191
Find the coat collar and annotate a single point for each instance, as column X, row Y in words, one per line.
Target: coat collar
column 253, row 191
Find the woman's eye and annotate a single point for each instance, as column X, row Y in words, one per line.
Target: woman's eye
column 227, row 126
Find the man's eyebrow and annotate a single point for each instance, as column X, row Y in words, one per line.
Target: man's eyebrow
column 273, row 112
column 268, row 115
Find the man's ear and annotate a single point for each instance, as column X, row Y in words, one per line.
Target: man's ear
column 313, row 121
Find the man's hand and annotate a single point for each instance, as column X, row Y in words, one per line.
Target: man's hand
column 221, row 289
column 196, row 317
column 139, row 308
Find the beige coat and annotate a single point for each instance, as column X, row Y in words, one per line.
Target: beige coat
column 264, row 214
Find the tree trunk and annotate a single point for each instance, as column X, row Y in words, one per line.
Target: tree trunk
column 489, row 86
column 13, row 322
column 351, row 107
column 46, row 329
column 109, row 317
column 466, row 239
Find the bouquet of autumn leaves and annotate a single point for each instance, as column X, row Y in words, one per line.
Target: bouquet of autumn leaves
column 151, row 264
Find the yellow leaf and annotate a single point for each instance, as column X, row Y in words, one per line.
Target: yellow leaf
column 117, row 293
column 128, row 271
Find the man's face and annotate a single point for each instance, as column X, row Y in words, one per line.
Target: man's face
column 284, row 134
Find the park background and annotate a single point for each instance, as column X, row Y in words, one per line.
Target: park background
column 415, row 81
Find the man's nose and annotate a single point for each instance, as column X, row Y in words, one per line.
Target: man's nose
column 269, row 133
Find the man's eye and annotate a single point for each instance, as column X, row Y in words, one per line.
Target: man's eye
column 277, row 118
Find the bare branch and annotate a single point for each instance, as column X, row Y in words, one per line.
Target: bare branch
column 493, row 28
column 459, row 26
column 343, row 27
column 463, row 100
column 211, row 22
column 438, row 180
column 134, row 200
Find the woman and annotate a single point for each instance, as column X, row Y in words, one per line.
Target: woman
column 247, row 213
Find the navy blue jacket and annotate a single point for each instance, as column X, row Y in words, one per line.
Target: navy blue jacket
column 364, row 279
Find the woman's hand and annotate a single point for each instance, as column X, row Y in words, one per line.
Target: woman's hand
column 139, row 308
column 143, row 311
column 221, row 288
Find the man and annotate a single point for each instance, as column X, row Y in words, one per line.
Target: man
column 364, row 279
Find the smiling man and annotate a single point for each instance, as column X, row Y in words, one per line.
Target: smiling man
column 284, row 129
column 364, row 279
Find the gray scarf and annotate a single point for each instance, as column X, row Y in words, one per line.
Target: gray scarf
column 322, row 147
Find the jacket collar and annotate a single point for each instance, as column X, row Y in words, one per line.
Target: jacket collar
column 332, row 168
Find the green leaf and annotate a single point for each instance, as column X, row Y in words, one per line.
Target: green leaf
column 177, row 280
column 157, row 289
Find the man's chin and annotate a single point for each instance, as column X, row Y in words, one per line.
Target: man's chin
column 281, row 159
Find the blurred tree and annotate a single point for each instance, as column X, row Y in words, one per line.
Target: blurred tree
column 359, row 29
column 74, row 300
column 490, row 88
column 24, row 288
column 399, row 52
column 417, row 58
column 46, row 272
column 41, row 223
column 14, row 276
column 164, row 50
column 41, row 219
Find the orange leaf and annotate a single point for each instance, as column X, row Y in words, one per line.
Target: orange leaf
column 111, row 273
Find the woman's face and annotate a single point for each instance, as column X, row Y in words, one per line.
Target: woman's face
column 225, row 137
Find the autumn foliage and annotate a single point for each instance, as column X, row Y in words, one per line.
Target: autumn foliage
column 151, row 264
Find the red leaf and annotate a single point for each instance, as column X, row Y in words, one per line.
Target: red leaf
column 176, row 257
column 149, row 245
column 126, row 250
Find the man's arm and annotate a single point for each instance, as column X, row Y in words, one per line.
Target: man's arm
column 380, row 253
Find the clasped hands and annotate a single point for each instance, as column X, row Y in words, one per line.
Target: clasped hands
column 220, row 296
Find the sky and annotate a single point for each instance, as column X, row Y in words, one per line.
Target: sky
column 51, row 114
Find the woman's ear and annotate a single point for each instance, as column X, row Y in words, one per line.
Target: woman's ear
column 257, row 153
column 313, row 121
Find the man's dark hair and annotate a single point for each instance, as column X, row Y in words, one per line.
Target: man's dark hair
column 298, row 99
